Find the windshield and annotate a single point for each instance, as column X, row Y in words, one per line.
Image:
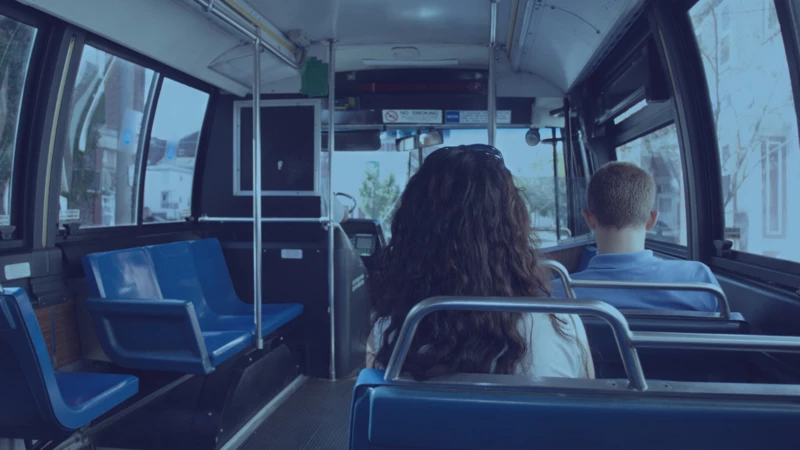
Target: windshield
column 377, row 178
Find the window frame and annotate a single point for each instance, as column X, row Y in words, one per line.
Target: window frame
column 771, row 271
column 22, row 201
column 138, row 228
column 777, row 145
column 204, row 130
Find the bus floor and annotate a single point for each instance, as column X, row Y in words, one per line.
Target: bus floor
column 316, row 416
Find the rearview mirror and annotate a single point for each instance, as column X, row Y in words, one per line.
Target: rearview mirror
column 422, row 140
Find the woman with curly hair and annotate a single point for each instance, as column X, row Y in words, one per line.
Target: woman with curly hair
column 462, row 229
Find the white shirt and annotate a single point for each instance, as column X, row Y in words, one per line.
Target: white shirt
column 549, row 353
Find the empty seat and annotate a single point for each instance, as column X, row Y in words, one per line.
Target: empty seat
column 35, row 401
column 196, row 271
column 575, row 414
column 671, row 364
column 169, row 307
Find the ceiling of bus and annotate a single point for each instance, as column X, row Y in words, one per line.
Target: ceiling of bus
column 557, row 39
column 387, row 22
column 163, row 30
column 553, row 40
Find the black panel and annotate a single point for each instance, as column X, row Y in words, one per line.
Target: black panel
column 216, row 181
column 287, row 148
column 252, row 383
column 45, row 285
column 304, row 280
column 205, row 411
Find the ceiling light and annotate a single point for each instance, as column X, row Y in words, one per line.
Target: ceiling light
column 413, row 62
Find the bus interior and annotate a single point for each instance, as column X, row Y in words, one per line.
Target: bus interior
column 152, row 301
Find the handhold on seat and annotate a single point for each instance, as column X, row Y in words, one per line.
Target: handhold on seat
column 37, row 402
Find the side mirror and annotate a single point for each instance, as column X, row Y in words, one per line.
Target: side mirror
column 422, row 140
column 532, row 137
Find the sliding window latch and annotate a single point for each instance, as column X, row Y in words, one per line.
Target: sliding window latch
column 723, row 248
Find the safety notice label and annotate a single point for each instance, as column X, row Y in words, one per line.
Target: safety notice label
column 503, row 117
column 412, row 116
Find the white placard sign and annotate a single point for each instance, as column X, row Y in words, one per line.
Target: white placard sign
column 291, row 253
column 412, row 116
column 479, row 117
column 17, row 271
column 69, row 215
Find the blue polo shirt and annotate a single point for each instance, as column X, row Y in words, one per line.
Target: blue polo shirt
column 644, row 266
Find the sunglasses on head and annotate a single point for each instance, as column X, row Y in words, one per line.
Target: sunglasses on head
column 488, row 149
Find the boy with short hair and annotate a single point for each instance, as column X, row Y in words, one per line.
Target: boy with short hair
column 620, row 201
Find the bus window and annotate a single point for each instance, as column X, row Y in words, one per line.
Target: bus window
column 756, row 124
column 540, row 173
column 173, row 149
column 103, row 147
column 377, row 178
column 659, row 154
column 16, row 43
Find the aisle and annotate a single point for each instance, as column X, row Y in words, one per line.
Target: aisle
column 317, row 416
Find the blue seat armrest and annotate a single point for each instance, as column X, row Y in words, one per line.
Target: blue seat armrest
column 150, row 334
column 155, row 307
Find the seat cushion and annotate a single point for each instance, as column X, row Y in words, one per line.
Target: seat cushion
column 273, row 316
column 95, row 391
column 221, row 345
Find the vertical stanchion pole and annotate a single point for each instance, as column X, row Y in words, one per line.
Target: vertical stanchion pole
column 257, row 257
column 331, row 199
column 492, row 112
column 555, row 183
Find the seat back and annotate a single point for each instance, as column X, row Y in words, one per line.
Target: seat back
column 27, row 381
column 122, row 274
column 215, row 278
column 670, row 364
column 465, row 417
column 194, row 271
column 175, row 269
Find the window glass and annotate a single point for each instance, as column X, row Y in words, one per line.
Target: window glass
column 540, row 173
column 104, row 148
column 173, row 150
column 756, row 124
column 377, row 178
column 659, row 154
column 16, row 43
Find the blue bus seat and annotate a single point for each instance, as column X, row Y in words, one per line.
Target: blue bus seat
column 37, row 402
column 423, row 416
column 670, row 364
column 196, row 271
column 159, row 289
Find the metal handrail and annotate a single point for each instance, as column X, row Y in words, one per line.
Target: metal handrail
column 569, row 285
column 265, row 219
column 627, row 341
column 251, row 35
column 630, row 358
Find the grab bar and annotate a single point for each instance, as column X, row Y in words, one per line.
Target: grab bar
column 627, row 341
column 569, row 285
column 630, row 359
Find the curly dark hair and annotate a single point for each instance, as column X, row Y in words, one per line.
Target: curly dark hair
column 461, row 228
